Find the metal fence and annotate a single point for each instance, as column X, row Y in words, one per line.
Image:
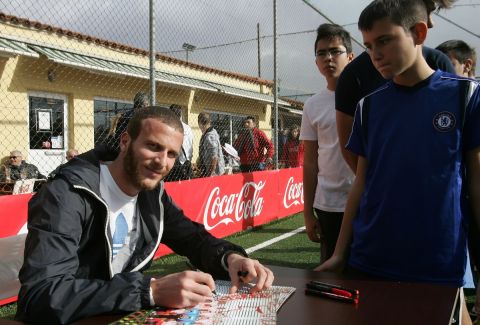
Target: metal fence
column 68, row 70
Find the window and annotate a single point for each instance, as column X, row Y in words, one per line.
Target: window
column 46, row 123
column 104, row 113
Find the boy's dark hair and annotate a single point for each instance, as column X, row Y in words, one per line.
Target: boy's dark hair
column 405, row 13
column 164, row 115
column 332, row 31
column 204, row 118
column 435, row 5
column 460, row 51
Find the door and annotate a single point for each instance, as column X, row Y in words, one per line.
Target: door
column 47, row 131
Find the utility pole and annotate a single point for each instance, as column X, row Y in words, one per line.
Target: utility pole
column 153, row 93
column 258, row 51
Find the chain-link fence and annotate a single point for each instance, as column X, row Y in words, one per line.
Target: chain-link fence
column 70, row 70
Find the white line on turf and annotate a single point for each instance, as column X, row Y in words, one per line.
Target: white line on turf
column 274, row 240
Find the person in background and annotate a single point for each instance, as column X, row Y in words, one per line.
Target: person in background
column 292, row 151
column 71, row 153
column 407, row 219
column 327, row 178
column 120, row 122
column 360, row 78
column 187, row 136
column 17, row 168
column 210, row 160
column 94, row 230
column 464, row 59
column 282, row 139
column 462, row 55
column 253, row 146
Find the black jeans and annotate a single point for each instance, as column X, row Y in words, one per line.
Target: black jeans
column 328, row 225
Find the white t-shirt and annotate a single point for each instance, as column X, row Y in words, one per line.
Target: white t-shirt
column 187, row 144
column 334, row 178
column 123, row 216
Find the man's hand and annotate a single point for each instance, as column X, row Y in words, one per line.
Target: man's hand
column 184, row 289
column 311, row 226
column 333, row 264
column 253, row 270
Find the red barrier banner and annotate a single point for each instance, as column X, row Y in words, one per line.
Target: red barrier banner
column 223, row 204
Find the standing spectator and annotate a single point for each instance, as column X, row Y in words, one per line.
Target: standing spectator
column 463, row 57
column 187, row 136
column 360, row 78
column 182, row 169
column 327, row 178
column 292, row 151
column 282, row 139
column 119, row 123
column 253, row 146
column 210, row 154
column 17, row 168
column 71, row 153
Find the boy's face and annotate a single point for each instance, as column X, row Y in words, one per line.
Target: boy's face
column 392, row 49
column 331, row 57
column 459, row 67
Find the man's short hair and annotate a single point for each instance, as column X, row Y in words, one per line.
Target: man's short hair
column 204, row 118
column 333, row 31
column 177, row 109
column 460, row 51
column 140, row 100
column 160, row 113
column 249, row 117
column 405, row 13
column 435, row 5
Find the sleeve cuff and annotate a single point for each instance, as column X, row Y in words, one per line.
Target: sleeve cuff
column 224, row 261
column 152, row 302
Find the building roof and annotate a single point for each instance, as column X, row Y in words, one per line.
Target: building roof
column 25, row 22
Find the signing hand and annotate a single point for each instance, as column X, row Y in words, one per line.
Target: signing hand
column 253, row 270
column 184, row 289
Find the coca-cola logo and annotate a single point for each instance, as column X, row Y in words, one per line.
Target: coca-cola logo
column 224, row 209
column 293, row 194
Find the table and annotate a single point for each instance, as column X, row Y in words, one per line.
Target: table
column 381, row 302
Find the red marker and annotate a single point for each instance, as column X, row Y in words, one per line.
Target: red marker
column 324, row 288
column 324, row 294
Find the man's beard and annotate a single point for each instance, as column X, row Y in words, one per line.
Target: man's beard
column 131, row 167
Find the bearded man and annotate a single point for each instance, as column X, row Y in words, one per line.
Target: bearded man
column 95, row 227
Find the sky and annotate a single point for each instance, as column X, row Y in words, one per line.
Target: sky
column 224, row 32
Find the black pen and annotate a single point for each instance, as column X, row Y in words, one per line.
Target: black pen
column 242, row 273
column 193, row 268
column 330, row 295
column 354, row 292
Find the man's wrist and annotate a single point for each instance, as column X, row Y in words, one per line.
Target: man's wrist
column 224, row 259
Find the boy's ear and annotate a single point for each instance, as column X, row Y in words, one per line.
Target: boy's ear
column 419, row 32
column 350, row 56
column 467, row 66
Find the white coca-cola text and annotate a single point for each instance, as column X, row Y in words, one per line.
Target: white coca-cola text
column 293, row 194
column 222, row 209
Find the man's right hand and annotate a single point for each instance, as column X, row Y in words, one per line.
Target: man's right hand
column 181, row 290
column 311, row 226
